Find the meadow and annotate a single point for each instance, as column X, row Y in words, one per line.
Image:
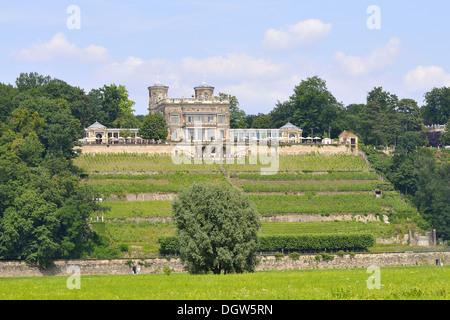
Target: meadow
column 397, row 283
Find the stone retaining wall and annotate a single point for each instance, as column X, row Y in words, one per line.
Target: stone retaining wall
column 148, row 266
column 168, row 148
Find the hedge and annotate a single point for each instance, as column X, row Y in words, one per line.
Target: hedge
column 169, row 244
column 303, row 243
column 316, row 242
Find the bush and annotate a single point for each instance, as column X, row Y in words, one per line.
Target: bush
column 326, row 256
column 316, row 242
column 169, row 245
column 123, row 247
column 303, row 243
column 294, row 256
column 278, row 256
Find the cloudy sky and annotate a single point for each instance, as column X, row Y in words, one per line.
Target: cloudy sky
column 257, row 50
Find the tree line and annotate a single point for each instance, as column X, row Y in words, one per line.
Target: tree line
column 381, row 121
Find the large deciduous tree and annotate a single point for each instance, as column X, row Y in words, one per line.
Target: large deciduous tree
column 312, row 107
column 154, row 127
column 217, row 228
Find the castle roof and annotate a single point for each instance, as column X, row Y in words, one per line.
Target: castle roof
column 96, row 125
column 289, row 126
column 347, row 134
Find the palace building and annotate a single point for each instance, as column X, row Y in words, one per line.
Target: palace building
column 202, row 118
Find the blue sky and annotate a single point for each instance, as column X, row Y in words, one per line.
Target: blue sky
column 256, row 50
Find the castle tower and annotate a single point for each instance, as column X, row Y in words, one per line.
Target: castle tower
column 157, row 94
column 204, row 92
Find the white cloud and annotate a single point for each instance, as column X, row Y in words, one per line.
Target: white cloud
column 380, row 58
column 426, row 77
column 252, row 80
column 59, row 48
column 308, row 32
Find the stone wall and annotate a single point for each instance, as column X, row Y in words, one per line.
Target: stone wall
column 148, row 266
column 167, row 149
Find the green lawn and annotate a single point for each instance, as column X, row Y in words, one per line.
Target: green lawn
column 397, row 283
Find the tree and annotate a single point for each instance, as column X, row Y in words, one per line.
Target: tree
column 262, row 121
column 110, row 103
column 217, row 229
column 154, row 127
column 445, row 138
column 437, row 107
column 237, row 116
column 312, row 107
column 433, row 192
column 27, row 81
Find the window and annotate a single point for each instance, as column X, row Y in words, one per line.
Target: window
column 154, row 98
column 211, row 118
column 174, row 118
column 160, row 96
column 206, row 96
column 222, row 134
column 211, row 134
column 190, row 134
column 174, row 135
column 199, row 97
column 221, row 118
column 190, row 118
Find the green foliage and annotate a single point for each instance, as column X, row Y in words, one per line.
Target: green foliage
column 169, row 245
column 294, row 256
column 311, row 107
column 315, row 242
column 335, row 203
column 217, row 228
column 167, row 270
column 137, row 162
column 437, row 107
column 154, row 127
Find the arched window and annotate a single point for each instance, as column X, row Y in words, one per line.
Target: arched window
column 206, row 96
column 154, row 98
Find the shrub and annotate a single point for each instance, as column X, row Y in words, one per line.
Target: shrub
column 169, row 244
column 294, row 256
column 167, row 270
column 315, row 242
column 278, row 256
column 326, row 256
column 123, row 247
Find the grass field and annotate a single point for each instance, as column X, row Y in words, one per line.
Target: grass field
column 397, row 283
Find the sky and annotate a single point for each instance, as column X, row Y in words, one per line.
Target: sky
column 256, row 50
